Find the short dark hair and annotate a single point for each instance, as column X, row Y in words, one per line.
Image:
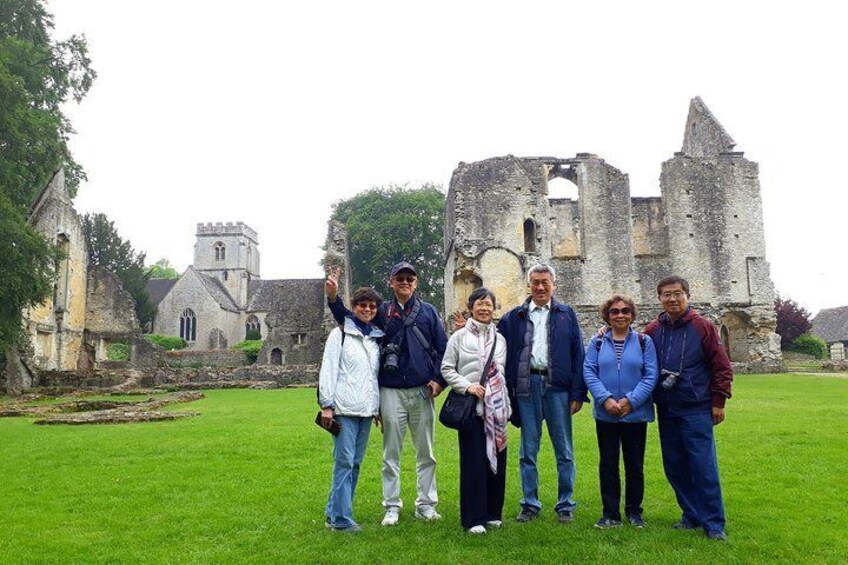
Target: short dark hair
column 480, row 294
column 673, row 279
column 366, row 294
column 605, row 307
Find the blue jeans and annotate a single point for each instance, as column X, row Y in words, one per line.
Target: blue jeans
column 691, row 466
column 348, row 451
column 555, row 408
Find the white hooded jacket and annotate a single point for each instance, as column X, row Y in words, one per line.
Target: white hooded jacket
column 348, row 379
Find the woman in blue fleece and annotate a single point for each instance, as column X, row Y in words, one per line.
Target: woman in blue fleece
column 620, row 370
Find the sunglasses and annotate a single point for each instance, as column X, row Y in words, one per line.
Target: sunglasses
column 401, row 278
column 365, row 306
column 617, row 311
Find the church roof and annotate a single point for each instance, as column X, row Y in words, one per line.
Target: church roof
column 277, row 295
column 831, row 324
column 219, row 292
column 157, row 289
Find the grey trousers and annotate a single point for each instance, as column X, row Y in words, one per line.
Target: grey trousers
column 402, row 408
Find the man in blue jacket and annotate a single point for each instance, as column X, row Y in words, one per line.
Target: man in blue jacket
column 544, row 376
column 409, row 378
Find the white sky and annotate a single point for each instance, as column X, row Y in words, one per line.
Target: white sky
column 268, row 112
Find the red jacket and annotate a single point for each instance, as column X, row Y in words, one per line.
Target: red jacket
column 691, row 346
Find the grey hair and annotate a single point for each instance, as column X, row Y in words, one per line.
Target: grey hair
column 542, row 268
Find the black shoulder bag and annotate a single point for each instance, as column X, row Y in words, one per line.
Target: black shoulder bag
column 458, row 410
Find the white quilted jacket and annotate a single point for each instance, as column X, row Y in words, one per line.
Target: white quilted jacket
column 348, row 380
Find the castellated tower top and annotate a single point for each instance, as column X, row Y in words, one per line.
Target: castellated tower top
column 227, row 229
column 704, row 136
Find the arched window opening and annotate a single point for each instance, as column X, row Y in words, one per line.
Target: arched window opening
column 276, row 356
column 252, row 328
column 63, row 273
column 188, row 325
column 560, row 188
column 529, row 236
column 725, row 339
column 220, row 251
column 225, row 275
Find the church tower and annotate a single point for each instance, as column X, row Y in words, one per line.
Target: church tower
column 228, row 252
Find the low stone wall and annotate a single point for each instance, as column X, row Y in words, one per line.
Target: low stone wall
column 205, row 359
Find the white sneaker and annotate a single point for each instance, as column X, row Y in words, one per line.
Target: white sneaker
column 477, row 530
column 494, row 524
column 427, row 513
column 391, row 517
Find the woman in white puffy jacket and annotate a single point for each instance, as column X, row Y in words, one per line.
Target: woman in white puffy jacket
column 482, row 449
column 349, row 396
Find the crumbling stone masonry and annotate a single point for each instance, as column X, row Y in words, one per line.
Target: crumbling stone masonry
column 707, row 227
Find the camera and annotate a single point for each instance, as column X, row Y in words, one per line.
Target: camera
column 390, row 357
column 669, row 379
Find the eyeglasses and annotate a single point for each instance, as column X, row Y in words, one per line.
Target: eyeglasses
column 677, row 295
column 365, row 306
column 618, row 311
column 402, row 278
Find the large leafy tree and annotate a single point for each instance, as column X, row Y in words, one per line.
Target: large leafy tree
column 37, row 75
column 107, row 249
column 390, row 224
column 792, row 320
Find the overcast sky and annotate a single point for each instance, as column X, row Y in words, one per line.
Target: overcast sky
column 268, row 112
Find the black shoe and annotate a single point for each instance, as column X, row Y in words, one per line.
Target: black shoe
column 566, row 516
column 636, row 521
column 527, row 513
column 684, row 524
column 607, row 523
column 717, row 535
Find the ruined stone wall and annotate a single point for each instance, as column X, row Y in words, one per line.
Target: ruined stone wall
column 56, row 327
column 295, row 326
column 219, row 358
column 109, row 308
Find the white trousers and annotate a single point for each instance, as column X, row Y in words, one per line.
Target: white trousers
column 402, row 408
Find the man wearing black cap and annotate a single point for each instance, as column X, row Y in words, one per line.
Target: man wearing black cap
column 409, row 380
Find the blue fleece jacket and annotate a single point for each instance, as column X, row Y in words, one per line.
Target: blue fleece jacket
column 634, row 377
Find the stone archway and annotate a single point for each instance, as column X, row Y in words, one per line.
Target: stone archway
column 276, row 356
column 734, row 335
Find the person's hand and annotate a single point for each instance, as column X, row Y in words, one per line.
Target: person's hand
column 626, row 407
column 612, row 407
column 718, row 415
column 476, row 390
column 435, row 389
column 326, row 417
column 576, row 405
column 458, row 321
column 378, row 421
column 331, row 285
column 602, row 331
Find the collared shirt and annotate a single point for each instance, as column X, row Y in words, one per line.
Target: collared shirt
column 539, row 317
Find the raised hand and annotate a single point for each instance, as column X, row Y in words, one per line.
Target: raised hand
column 331, row 285
column 458, row 321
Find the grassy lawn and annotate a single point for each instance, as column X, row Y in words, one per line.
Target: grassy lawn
column 246, row 482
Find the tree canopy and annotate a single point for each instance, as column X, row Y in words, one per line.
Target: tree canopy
column 792, row 320
column 162, row 269
column 37, row 75
column 107, row 249
column 390, row 224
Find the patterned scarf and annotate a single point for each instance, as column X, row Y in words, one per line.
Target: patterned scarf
column 496, row 408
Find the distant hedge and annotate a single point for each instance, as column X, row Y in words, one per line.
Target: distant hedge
column 169, row 342
column 811, row 345
column 251, row 349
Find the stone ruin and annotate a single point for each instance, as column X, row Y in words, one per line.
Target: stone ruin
column 707, row 226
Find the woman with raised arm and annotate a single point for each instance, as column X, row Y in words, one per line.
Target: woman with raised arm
column 474, row 365
column 620, row 370
column 349, row 400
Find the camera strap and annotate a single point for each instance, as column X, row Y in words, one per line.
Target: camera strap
column 409, row 322
column 682, row 349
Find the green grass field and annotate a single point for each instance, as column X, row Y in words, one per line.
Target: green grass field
column 246, row 482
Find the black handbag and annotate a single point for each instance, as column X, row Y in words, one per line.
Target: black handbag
column 458, row 410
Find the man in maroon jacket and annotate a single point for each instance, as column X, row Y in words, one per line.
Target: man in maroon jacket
column 694, row 383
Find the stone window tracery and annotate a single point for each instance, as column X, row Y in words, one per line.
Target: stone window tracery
column 252, row 324
column 220, row 251
column 188, row 325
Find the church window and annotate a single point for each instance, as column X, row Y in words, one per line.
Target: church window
column 225, row 275
column 63, row 273
column 188, row 325
column 299, row 339
column 252, row 328
column 220, row 251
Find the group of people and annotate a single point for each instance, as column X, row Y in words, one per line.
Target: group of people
column 388, row 360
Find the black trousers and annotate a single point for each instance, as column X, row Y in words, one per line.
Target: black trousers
column 630, row 439
column 481, row 492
